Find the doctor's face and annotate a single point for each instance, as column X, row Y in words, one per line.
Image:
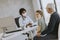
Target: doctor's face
column 37, row 15
column 24, row 14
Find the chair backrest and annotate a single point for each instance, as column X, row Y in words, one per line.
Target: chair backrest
column 17, row 21
column 8, row 24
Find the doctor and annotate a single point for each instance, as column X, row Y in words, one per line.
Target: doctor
column 25, row 21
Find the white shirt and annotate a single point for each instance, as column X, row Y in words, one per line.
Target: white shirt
column 24, row 22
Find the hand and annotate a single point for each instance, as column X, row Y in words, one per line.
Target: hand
column 38, row 31
column 38, row 28
column 30, row 25
column 43, row 35
column 38, row 34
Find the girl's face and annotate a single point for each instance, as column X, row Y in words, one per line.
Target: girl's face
column 38, row 16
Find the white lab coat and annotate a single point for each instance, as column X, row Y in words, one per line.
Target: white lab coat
column 24, row 22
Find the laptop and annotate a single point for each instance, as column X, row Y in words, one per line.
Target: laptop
column 8, row 25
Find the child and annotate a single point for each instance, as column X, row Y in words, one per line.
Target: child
column 41, row 24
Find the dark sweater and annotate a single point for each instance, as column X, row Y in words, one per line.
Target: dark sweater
column 52, row 27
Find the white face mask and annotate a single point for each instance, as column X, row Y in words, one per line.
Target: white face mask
column 24, row 14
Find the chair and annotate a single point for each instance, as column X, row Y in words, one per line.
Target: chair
column 17, row 21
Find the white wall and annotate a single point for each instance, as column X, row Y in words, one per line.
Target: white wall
column 11, row 7
column 58, row 6
column 36, row 5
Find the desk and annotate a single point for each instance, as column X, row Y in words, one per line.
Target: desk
column 16, row 34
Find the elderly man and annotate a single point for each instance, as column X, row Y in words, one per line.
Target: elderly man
column 52, row 27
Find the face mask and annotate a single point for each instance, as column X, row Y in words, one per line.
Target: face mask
column 24, row 14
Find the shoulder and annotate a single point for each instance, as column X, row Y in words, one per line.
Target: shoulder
column 28, row 17
column 42, row 19
column 55, row 15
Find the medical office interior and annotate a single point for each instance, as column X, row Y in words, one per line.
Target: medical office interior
column 9, row 10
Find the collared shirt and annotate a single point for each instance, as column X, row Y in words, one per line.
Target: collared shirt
column 25, row 21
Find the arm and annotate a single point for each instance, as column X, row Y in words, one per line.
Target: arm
column 52, row 23
column 30, row 22
column 20, row 22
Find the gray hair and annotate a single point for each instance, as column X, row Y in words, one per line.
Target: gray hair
column 51, row 5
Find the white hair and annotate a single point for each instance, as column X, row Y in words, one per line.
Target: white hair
column 51, row 5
